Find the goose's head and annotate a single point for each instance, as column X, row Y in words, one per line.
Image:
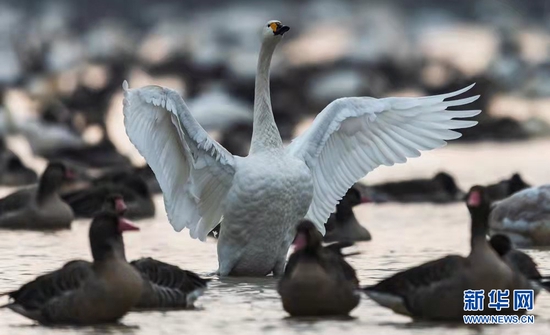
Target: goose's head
column 307, row 237
column 501, row 243
column 274, row 30
column 115, row 202
column 478, row 202
column 54, row 177
column 106, row 235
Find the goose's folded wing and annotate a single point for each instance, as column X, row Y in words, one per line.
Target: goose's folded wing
column 36, row 293
column 194, row 171
column 16, row 200
column 168, row 286
column 523, row 263
column 335, row 259
column 168, row 275
column 353, row 136
column 427, row 275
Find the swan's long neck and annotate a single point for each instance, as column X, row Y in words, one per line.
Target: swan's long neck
column 265, row 134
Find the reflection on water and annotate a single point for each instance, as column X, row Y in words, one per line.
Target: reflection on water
column 403, row 235
column 115, row 328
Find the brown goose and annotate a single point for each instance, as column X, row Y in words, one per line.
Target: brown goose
column 166, row 286
column 342, row 225
column 86, row 202
column 518, row 260
column 39, row 207
column 435, row 290
column 506, row 187
column 318, row 281
column 82, row 292
column 439, row 189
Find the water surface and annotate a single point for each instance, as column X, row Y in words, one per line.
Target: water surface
column 403, row 236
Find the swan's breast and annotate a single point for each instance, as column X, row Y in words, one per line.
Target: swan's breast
column 269, row 195
column 272, row 185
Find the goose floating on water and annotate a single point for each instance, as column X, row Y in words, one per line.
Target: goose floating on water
column 342, row 225
column 86, row 202
column 518, row 260
column 506, row 187
column 439, row 189
column 435, row 290
column 264, row 195
column 318, row 281
column 165, row 286
column 39, row 207
column 82, row 292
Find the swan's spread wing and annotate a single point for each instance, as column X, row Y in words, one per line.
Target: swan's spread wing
column 353, row 136
column 194, row 171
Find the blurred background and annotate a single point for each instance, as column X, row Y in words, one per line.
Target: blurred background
column 62, row 64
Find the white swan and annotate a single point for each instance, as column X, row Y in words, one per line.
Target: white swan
column 262, row 197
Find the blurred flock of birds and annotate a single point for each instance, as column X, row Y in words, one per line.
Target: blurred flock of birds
column 61, row 70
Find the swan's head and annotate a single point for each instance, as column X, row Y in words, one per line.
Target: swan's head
column 274, row 30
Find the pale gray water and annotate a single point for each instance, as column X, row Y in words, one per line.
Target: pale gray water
column 402, row 236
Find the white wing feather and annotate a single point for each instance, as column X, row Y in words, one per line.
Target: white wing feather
column 194, row 171
column 353, row 136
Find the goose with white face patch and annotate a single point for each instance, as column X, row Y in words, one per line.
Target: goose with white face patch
column 263, row 196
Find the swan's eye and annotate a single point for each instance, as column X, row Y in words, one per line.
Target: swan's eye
column 274, row 26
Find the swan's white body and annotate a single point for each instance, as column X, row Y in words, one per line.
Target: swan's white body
column 262, row 197
column 272, row 192
column 524, row 217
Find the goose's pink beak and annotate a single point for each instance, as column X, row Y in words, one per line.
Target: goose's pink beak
column 300, row 241
column 474, row 199
column 126, row 225
column 365, row 200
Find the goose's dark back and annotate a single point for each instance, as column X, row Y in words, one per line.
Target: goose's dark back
column 169, row 275
column 39, row 291
column 167, row 286
column 17, row 200
column 423, row 275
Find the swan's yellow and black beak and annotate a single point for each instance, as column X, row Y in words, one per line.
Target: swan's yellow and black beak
column 278, row 28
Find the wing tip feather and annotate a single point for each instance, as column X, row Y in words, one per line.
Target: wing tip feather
column 475, row 112
column 473, row 124
column 455, row 93
column 462, row 90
